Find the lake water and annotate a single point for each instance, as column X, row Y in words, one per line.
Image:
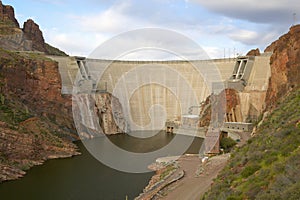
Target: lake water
column 85, row 178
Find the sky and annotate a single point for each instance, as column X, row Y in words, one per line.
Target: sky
column 222, row 28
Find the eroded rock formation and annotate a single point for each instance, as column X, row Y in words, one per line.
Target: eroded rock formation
column 29, row 38
column 7, row 14
column 231, row 107
column 285, row 65
column 253, row 52
column 33, row 33
column 97, row 114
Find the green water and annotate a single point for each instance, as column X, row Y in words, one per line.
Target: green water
column 83, row 177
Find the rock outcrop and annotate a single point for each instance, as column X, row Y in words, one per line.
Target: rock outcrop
column 231, row 107
column 33, row 33
column 98, row 114
column 285, row 66
column 253, row 52
column 7, row 14
column 30, row 38
column 31, row 144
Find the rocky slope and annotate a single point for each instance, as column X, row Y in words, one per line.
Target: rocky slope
column 35, row 120
column 267, row 166
column 285, row 65
column 98, row 114
column 29, row 38
column 35, row 81
column 232, row 110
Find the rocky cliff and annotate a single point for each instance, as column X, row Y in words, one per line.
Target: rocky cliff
column 7, row 14
column 29, row 38
column 253, row 52
column 33, row 33
column 285, row 65
column 231, row 107
column 35, row 81
column 35, row 119
column 98, row 114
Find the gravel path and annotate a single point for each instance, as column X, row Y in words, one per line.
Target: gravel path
column 193, row 185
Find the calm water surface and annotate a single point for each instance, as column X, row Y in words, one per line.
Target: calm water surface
column 84, row 178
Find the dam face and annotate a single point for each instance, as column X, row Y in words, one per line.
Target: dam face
column 153, row 92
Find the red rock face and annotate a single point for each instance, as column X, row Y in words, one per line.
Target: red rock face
column 36, row 83
column 30, row 38
column 105, row 115
column 254, row 52
column 32, row 32
column 285, row 65
column 7, row 13
column 229, row 107
column 232, row 99
column 31, row 83
column 23, row 151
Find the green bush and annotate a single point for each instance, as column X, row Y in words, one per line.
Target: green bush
column 249, row 170
column 227, row 144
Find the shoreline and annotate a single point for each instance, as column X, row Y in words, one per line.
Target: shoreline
column 196, row 177
column 11, row 173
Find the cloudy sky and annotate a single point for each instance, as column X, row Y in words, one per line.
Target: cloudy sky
column 220, row 27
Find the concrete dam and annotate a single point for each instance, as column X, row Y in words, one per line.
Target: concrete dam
column 155, row 92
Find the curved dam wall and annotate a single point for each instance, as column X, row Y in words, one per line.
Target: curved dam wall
column 152, row 92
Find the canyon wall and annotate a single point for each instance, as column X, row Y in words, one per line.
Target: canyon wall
column 35, row 119
column 97, row 114
column 285, row 65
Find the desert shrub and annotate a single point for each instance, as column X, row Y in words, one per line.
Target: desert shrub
column 267, row 167
column 249, row 170
column 227, row 144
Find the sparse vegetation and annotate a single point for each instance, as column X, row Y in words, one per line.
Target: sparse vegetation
column 268, row 166
column 11, row 114
column 54, row 51
column 167, row 171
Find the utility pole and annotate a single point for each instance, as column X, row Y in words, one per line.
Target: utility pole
column 234, row 52
column 294, row 19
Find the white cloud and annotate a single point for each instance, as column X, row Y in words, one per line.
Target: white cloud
column 112, row 20
column 272, row 12
column 86, row 30
column 213, row 52
column 244, row 36
column 74, row 43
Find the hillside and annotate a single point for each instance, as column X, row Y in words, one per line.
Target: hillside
column 28, row 38
column 267, row 167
